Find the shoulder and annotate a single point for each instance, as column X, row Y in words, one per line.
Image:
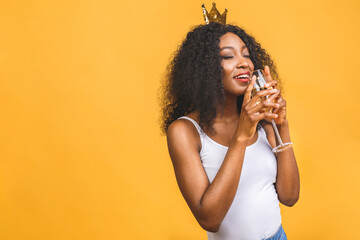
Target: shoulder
column 182, row 132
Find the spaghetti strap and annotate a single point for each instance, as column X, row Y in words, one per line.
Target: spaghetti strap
column 198, row 128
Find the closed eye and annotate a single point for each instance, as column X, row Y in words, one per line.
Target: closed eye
column 227, row 57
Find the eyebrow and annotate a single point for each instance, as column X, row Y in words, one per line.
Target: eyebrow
column 244, row 46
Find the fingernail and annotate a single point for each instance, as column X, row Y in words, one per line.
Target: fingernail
column 276, row 115
column 273, row 90
column 277, row 105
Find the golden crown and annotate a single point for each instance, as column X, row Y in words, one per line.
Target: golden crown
column 214, row 15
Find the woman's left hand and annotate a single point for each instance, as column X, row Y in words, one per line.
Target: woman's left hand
column 276, row 97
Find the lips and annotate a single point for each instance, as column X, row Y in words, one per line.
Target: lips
column 243, row 77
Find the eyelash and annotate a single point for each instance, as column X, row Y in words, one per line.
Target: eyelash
column 229, row 57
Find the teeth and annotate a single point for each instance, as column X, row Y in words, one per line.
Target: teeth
column 243, row 76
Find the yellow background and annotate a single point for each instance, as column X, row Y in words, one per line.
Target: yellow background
column 81, row 155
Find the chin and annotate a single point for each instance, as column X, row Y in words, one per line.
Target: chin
column 235, row 93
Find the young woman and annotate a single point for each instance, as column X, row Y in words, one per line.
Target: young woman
column 219, row 139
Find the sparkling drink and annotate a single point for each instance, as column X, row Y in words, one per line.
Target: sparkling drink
column 258, row 86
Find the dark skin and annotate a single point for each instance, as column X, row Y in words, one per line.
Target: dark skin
column 210, row 202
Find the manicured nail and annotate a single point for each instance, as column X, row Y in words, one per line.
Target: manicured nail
column 276, row 115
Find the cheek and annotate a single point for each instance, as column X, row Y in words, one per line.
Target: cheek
column 226, row 69
column 251, row 65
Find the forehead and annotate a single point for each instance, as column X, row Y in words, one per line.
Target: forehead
column 231, row 39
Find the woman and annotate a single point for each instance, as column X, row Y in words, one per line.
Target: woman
column 219, row 139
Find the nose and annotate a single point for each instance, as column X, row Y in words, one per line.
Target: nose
column 242, row 63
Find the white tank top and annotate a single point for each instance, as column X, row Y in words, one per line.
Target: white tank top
column 255, row 212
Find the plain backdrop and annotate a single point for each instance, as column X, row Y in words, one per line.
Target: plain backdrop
column 81, row 155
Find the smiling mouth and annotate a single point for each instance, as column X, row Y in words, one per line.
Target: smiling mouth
column 243, row 77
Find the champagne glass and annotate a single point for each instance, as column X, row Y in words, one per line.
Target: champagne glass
column 258, row 86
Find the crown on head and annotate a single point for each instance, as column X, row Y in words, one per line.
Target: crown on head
column 214, row 15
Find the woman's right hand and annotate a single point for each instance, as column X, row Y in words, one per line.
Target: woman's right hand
column 251, row 112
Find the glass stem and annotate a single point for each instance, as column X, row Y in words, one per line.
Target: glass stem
column 277, row 132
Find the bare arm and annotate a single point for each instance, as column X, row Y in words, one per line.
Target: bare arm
column 287, row 180
column 210, row 202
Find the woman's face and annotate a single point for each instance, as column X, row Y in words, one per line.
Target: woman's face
column 236, row 64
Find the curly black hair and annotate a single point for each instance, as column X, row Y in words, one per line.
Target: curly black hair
column 193, row 80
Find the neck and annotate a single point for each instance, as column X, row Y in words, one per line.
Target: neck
column 229, row 110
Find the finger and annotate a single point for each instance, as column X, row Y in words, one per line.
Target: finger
column 272, row 97
column 247, row 94
column 281, row 107
column 267, row 73
column 264, row 115
column 262, row 93
column 262, row 105
column 272, row 84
